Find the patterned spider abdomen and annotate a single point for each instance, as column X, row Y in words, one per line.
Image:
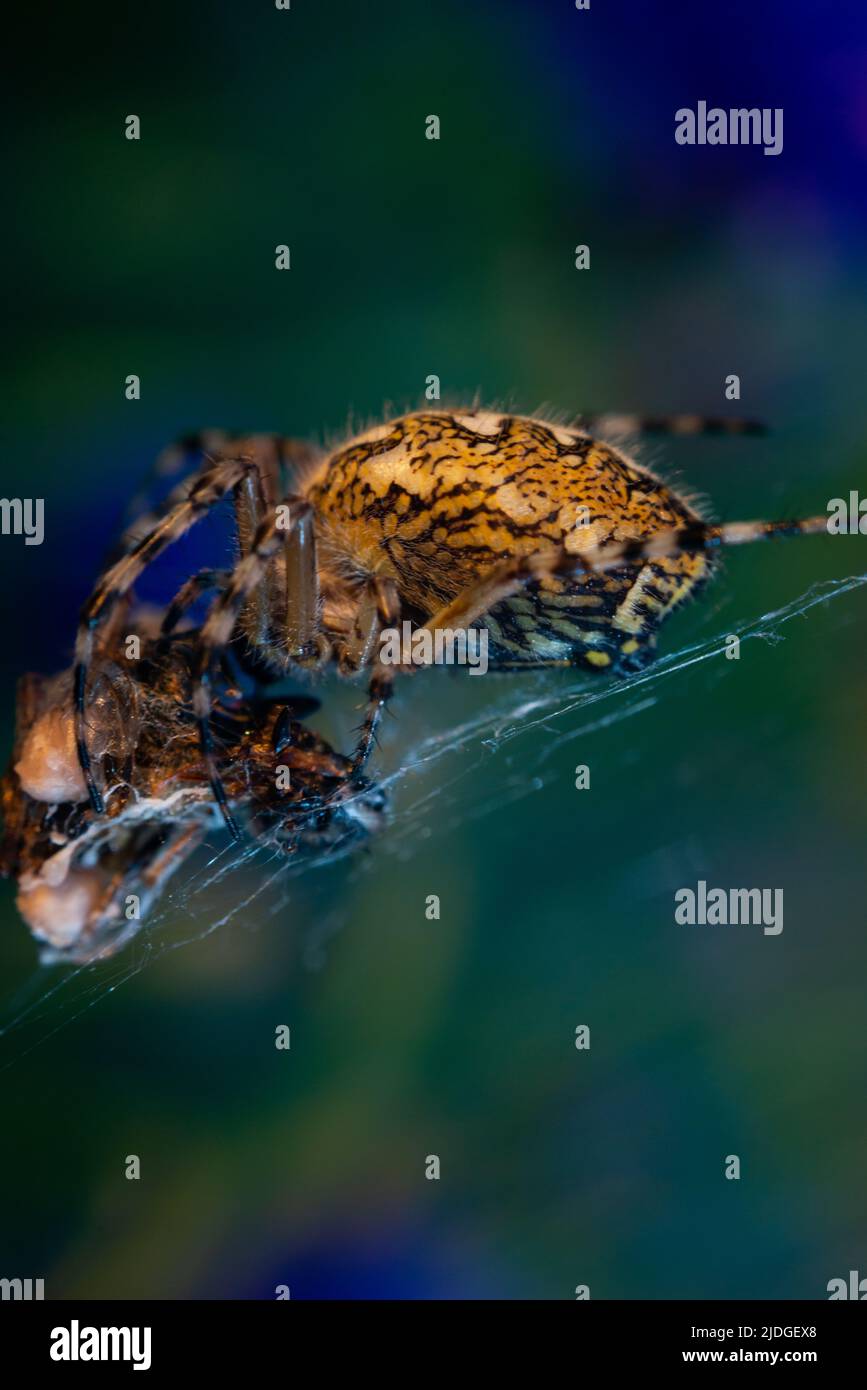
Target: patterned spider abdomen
column 434, row 500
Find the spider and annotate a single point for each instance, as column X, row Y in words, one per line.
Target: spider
column 566, row 550
column 76, row 869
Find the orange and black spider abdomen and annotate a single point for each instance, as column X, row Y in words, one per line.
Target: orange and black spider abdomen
column 435, row 500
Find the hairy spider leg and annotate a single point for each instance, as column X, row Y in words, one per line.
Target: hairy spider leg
column 302, row 582
column 178, row 463
column 254, row 497
column 626, row 423
column 218, row 629
column 181, row 460
column 281, row 462
column 213, row 485
column 508, row 577
column 379, row 608
column 187, row 594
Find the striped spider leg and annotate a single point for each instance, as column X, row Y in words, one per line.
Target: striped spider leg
column 510, row 576
column 241, row 477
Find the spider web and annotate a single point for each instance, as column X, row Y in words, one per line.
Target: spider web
column 433, row 791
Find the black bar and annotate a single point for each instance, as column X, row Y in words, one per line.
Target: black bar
column 248, row 1337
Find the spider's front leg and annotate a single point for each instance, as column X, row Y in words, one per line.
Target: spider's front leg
column 277, row 457
column 298, row 639
column 696, row 537
column 187, row 595
column 290, row 525
column 379, row 608
column 509, row 577
column 302, row 584
column 379, row 691
column 177, row 465
column 216, row 481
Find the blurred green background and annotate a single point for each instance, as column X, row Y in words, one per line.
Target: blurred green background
column 412, row 1037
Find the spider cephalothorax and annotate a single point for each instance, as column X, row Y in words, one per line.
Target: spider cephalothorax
column 562, row 548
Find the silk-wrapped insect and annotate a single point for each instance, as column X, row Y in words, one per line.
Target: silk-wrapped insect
column 86, row 879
